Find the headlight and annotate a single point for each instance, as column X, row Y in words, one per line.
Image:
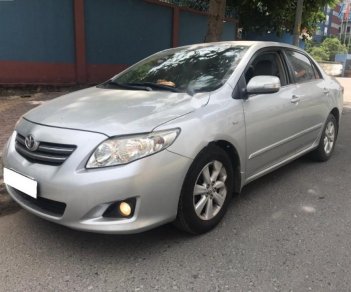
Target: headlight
column 122, row 150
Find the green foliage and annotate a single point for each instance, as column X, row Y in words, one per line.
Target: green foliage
column 278, row 15
column 309, row 45
column 319, row 54
column 327, row 50
column 333, row 46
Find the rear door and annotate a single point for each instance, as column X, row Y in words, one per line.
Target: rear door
column 310, row 92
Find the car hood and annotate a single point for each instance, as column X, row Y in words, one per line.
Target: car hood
column 115, row 112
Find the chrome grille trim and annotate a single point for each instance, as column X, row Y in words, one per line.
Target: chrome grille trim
column 47, row 153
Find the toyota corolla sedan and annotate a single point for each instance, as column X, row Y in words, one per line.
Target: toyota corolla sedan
column 171, row 138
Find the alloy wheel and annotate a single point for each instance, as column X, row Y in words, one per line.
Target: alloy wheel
column 329, row 137
column 210, row 190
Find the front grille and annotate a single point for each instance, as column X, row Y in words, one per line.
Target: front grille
column 47, row 153
column 50, row 207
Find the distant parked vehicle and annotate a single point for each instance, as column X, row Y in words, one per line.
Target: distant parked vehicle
column 172, row 137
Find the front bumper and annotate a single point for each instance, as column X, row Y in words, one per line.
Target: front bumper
column 154, row 181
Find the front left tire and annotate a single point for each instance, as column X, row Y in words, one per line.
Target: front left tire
column 206, row 191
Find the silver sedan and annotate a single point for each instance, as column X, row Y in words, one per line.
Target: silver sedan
column 171, row 138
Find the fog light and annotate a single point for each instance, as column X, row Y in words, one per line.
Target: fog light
column 121, row 209
column 125, row 209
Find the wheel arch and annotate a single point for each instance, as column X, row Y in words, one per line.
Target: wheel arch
column 235, row 160
column 336, row 114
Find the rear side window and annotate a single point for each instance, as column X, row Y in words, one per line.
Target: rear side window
column 301, row 66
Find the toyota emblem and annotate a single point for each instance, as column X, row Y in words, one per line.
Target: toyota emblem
column 31, row 144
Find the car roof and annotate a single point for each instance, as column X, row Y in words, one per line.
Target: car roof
column 243, row 43
column 255, row 45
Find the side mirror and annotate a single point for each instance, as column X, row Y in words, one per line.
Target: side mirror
column 263, row 84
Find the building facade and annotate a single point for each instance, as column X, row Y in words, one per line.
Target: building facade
column 345, row 27
column 331, row 25
column 337, row 22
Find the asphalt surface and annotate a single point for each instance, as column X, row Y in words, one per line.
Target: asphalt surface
column 288, row 231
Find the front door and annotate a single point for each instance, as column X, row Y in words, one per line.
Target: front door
column 273, row 121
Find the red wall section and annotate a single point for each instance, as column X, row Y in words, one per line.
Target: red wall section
column 55, row 74
column 36, row 73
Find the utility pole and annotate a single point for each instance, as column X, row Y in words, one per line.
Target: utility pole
column 298, row 20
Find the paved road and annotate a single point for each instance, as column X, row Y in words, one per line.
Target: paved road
column 290, row 230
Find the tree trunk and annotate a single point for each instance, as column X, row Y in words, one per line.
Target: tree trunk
column 215, row 20
column 297, row 27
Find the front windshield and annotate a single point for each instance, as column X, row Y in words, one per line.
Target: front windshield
column 196, row 68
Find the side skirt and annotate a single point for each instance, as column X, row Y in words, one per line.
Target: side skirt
column 281, row 163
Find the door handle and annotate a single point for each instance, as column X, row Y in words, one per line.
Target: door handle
column 325, row 91
column 295, row 99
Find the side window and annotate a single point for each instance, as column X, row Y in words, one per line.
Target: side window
column 268, row 63
column 301, row 66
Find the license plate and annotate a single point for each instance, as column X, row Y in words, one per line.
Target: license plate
column 20, row 182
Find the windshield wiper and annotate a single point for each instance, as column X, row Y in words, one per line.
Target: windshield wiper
column 128, row 85
column 155, row 85
column 148, row 86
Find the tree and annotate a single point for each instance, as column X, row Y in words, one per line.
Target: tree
column 319, row 54
column 265, row 15
column 327, row 50
column 298, row 19
column 278, row 16
column 333, row 46
column 215, row 20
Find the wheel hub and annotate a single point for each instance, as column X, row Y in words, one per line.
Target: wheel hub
column 329, row 137
column 210, row 190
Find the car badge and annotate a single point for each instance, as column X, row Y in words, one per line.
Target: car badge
column 30, row 143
